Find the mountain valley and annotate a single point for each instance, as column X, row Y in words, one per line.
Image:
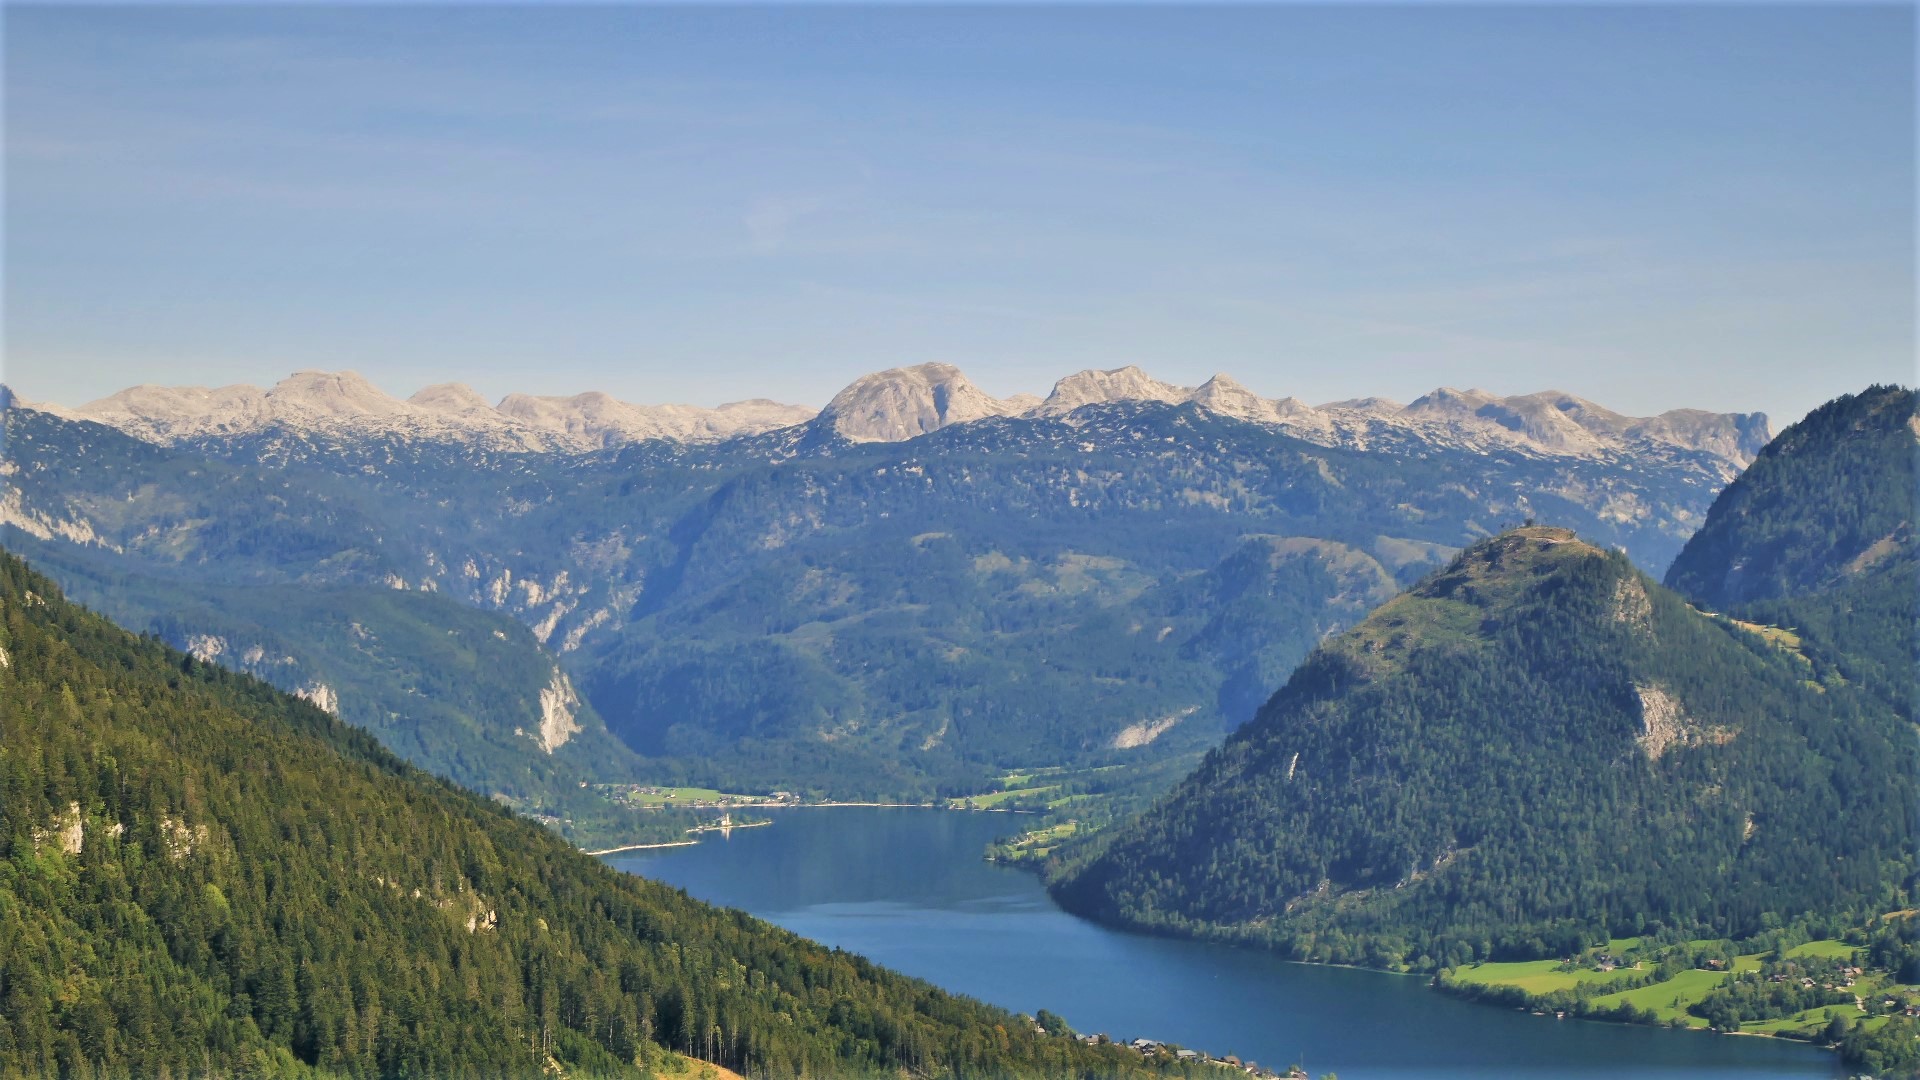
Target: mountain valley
column 903, row 595
column 200, row 875
column 1532, row 748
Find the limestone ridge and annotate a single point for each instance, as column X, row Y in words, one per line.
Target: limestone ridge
column 346, row 404
column 1549, row 423
column 597, row 419
column 1560, row 422
column 907, row 402
column 1100, row 387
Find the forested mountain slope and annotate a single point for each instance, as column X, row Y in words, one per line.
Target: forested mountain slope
column 463, row 693
column 200, row 874
column 1532, row 749
column 1818, row 535
column 1829, row 498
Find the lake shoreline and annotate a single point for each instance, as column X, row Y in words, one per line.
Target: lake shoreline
column 728, row 828
column 1121, row 927
column 640, row 847
column 1433, row 980
column 918, row 904
column 797, row 806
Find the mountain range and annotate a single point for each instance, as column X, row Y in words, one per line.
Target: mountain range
column 1120, row 572
column 897, row 405
column 1535, row 747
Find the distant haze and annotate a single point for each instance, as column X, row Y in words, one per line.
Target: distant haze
column 1650, row 207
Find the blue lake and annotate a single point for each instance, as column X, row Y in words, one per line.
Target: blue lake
column 908, row 888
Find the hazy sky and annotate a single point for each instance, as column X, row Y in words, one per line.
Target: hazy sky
column 1649, row 206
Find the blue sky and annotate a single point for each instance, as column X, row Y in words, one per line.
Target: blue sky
column 1649, row 206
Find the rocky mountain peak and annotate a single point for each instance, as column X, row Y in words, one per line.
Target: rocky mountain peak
column 1227, row 397
column 1511, row 551
column 1366, row 406
column 1092, row 387
column 1449, row 402
column 164, row 413
column 332, row 393
column 1309, row 802
column 456, row 399
column 1557, row 422
column 902, row 403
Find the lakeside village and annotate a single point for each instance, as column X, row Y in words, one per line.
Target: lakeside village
column 645, row 796
column 1151, row 1049
column 1155, row 1050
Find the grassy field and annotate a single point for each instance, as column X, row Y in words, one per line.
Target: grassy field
column 991, row 799
column 1809, row 1022
column 1025, row 784
column 1783, row 638
column 1545, row 976
column 1833, row 950
column 1536, row 976
column 1669, row 1000
column 1777, row 636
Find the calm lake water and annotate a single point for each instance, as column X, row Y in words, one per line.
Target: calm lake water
column 908, row 888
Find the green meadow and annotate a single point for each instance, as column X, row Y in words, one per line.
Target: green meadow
column 1668, row 1001
column 1536, row 976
